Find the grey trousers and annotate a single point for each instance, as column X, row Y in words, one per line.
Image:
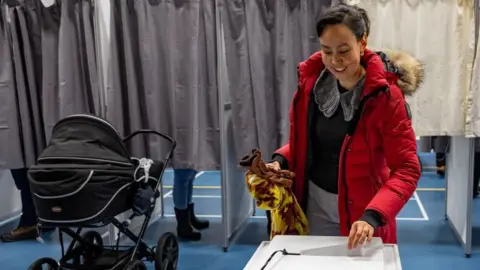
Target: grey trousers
column 322, row 212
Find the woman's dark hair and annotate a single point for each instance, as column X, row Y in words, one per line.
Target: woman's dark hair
column 353, row 17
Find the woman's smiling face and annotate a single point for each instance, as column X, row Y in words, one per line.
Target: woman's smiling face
column 341, row 51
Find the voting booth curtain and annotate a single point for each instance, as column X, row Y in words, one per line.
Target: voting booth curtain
column 47, row 71
column 163, row 77
column 439, row 107
column 21, row 125
column 264, row 42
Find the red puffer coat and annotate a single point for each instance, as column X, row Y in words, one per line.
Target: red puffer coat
column 379, row 166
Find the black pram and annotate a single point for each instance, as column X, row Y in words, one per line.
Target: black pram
column 84, row 179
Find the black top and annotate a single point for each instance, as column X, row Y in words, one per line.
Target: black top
column 327, row 135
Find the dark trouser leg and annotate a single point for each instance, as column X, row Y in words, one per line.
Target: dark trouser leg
column 27, row 227
column 269, row 223
column 441, row 162
column 29, row 216
column 476, row 174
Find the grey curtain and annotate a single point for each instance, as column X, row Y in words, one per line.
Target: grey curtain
column 265, row 40
column 163, row 77
column 70, row 79
column 47, row 71
column 21, row 124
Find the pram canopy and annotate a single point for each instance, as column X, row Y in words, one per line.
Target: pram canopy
column 85, row 174
column 85, row 139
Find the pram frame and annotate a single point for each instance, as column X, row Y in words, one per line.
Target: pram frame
column 140, row 250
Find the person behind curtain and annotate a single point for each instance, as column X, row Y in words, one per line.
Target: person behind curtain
column 440, row 145
column 188, row 225
column 352, row 145
column 27, row 226
column 476, row 169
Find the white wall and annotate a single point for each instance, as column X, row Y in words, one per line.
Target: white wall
column 10, row 204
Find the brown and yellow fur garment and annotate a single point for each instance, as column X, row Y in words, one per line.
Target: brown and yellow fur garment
column 272, row 191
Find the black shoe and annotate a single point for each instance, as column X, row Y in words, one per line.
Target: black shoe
column 185, row 230
column 198, row 224
column 441, row 170
column 21, row 234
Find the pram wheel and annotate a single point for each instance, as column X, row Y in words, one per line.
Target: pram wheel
column 166, row 252
column 136, row 265
column 44, row 263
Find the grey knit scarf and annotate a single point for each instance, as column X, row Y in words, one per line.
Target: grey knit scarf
column 328, row 97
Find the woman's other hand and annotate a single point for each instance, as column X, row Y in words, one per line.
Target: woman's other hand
column 361, row 233
column 274, row 166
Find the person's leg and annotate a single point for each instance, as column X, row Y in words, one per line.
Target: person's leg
column 269, row 222
column 476, row 174
column 190, row 187
column 27, row 227
column 196, row 223
column 322, row 212
column 181, row 182
column 441, row 162
column 180, row 188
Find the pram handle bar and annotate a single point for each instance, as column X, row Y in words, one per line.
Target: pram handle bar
column 150, row 131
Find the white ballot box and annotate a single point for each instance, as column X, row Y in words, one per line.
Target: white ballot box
column 323, row 252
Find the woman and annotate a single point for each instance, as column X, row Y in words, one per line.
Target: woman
column 352, row 146
column 188, row 225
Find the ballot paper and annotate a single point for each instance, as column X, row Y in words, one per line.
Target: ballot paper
column 317, row 252
column 368, row 250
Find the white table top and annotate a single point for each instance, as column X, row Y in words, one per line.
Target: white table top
column 391, row 257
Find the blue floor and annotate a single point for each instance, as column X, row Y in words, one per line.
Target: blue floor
column 425, row 239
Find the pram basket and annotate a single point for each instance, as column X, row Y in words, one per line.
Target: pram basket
column 85, row 178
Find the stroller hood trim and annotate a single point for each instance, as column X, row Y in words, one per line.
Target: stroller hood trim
column 84, row 138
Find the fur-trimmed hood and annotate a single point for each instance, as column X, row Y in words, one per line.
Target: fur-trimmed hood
column 409, row 70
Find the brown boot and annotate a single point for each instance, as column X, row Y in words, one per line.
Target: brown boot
column 20, row 234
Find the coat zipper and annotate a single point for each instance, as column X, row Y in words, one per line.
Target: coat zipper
column 346, row 143
column 344, row 151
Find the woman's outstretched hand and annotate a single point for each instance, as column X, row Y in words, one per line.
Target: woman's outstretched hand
column 361, row 233
column 274, row 166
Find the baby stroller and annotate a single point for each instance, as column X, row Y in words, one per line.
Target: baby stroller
column 84, row 179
